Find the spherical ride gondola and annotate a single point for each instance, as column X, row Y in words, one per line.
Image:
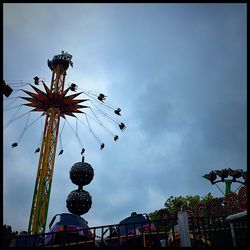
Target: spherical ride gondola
column 79, row 202
column 81, row 173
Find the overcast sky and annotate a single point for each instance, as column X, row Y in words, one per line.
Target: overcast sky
column 177, row 71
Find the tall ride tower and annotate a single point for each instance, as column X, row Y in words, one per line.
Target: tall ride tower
column 53, row 103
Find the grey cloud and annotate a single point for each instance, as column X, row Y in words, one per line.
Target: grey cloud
column 177, row 71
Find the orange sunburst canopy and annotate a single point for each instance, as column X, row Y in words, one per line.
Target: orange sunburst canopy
column 43, row 101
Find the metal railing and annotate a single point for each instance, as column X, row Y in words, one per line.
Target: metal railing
column 203, row 232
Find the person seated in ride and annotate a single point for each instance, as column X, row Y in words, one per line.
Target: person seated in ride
column 122, row 126
column 60, row 152
column 73, row 87
column 117, row 111
column 102, row 97
column 37, row 150
column 14, row 145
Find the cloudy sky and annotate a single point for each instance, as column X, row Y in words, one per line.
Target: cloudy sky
column 177, row 71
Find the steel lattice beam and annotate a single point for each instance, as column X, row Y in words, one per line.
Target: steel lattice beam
column 40, row 203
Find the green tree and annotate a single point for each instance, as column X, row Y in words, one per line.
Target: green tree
column 175, row 204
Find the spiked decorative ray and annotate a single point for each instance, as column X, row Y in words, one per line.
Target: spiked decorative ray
column 42, row 101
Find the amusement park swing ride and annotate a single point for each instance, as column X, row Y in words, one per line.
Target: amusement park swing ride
column 55, row 103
